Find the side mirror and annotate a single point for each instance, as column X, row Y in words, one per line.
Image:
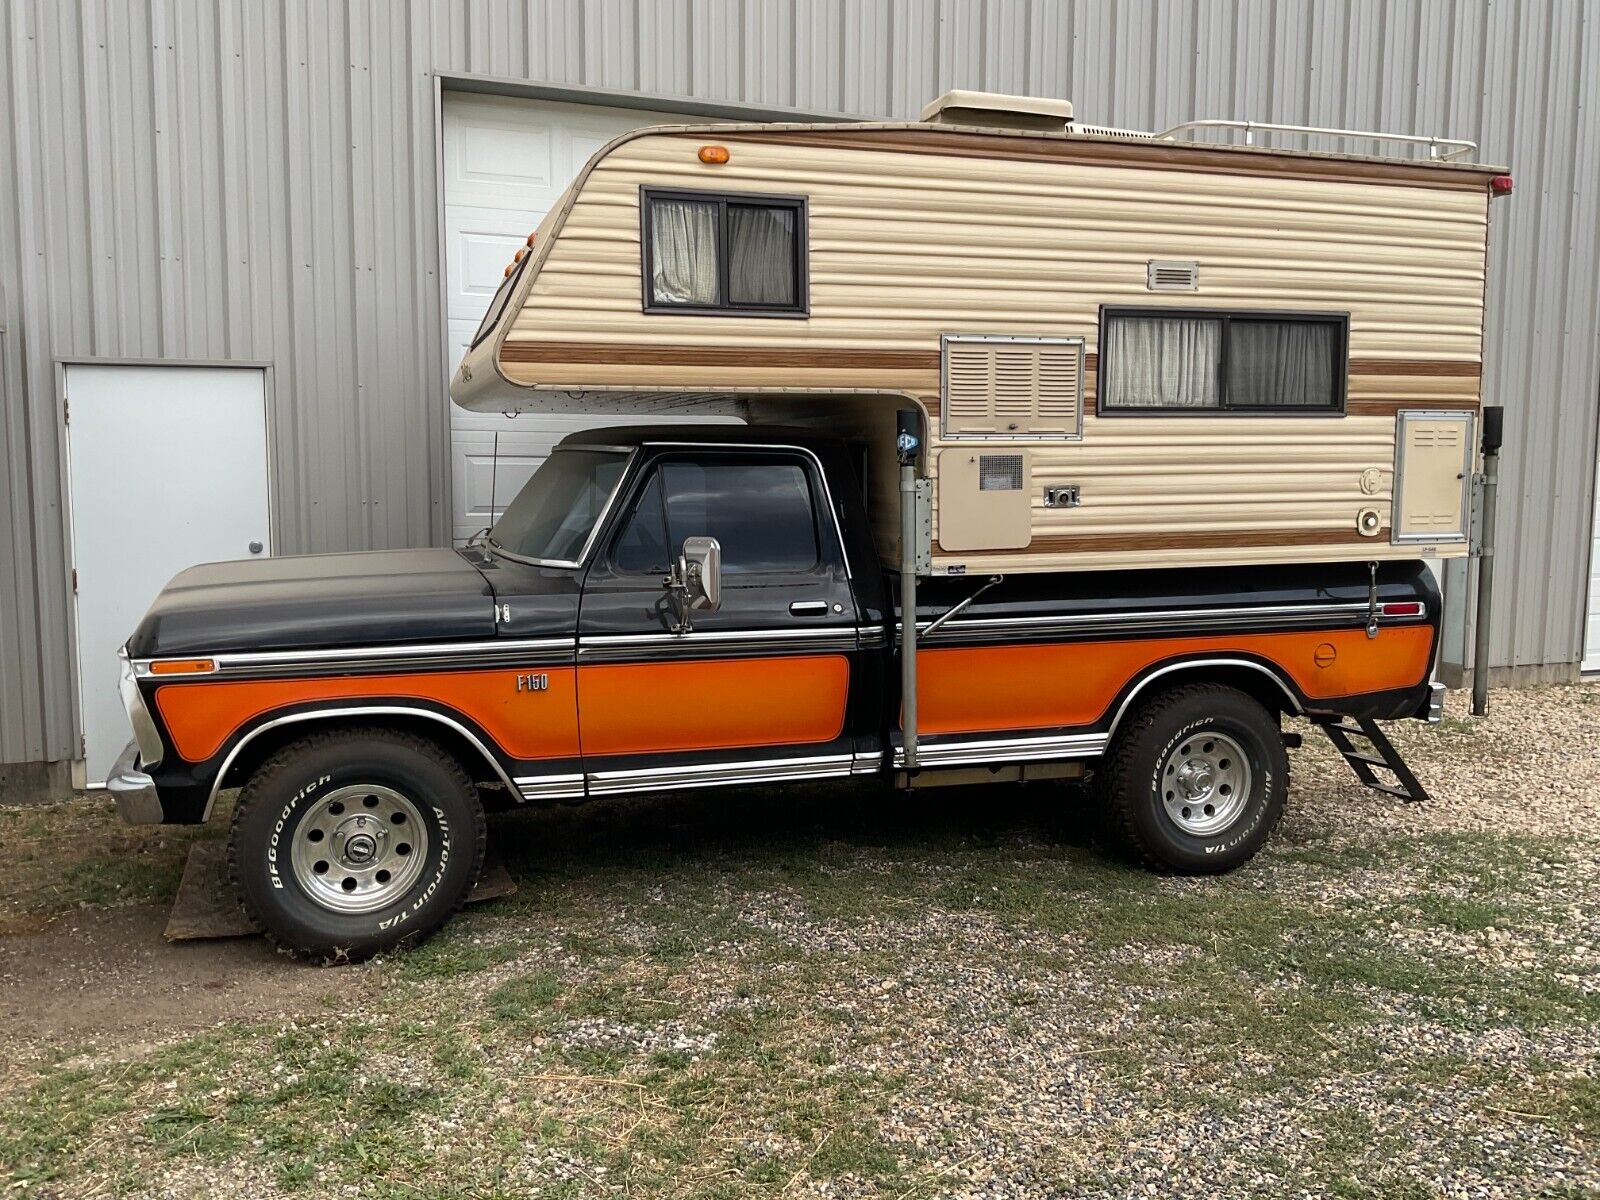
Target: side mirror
column 701, row 570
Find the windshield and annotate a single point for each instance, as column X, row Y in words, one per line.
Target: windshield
column 557, row 509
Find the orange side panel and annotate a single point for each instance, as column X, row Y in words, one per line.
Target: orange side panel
column 992, row 688
column 641, row 708
column 544, row 724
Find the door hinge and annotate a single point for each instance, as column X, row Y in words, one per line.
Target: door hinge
column 74, row 581
column 66, row 411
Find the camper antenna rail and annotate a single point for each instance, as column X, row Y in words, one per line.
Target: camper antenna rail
column 1440, row 149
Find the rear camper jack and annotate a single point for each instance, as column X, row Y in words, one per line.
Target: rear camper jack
column 1493, row 430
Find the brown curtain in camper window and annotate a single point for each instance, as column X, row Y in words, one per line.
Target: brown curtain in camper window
column 1282, row 363
column 761, row 255
column 683, row 252
column 1161, row 362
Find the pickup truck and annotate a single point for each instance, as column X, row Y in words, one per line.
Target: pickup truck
column 681, row 607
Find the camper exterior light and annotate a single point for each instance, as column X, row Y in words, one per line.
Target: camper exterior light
column 713, row 155
column 1500, row 185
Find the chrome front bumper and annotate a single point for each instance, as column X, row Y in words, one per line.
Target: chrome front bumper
column 133, row 790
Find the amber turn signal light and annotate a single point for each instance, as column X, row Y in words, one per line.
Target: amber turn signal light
column 183, row 666
column 1500, row 185
column 714, row 155
column 531, row 236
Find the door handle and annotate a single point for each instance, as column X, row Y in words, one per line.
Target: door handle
column 808, row 608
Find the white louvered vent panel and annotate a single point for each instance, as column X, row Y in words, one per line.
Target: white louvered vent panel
column 1016, row 387
column 1168, row 275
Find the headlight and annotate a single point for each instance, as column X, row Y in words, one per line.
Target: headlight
column 144, row 726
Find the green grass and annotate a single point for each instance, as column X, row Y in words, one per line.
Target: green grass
column 744, row 995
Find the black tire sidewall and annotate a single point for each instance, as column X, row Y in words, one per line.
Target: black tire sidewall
column 1259, row 738
column 264, row 873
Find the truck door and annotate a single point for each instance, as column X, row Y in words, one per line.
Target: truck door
column 755, row 690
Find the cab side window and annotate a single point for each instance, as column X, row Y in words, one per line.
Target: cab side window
column 760, row 512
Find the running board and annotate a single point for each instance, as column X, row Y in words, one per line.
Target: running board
column 1381, row 757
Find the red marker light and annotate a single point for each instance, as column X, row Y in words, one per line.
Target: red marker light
column 1500, row 185
column 1402, row 608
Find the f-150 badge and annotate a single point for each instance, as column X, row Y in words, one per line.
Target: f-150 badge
column 533, row 683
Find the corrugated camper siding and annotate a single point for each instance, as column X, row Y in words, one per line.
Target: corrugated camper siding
column 202, row 179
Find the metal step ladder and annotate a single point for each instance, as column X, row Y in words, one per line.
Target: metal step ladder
column 1381, row 756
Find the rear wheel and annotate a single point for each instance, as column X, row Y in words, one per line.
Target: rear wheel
column 347, row 844
column 1196, row 780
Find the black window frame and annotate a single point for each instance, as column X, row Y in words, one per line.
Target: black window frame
column 500, row 301
column 799, row 205
column 829, row 548
column 1341, row 367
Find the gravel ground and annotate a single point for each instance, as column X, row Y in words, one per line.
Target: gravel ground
column 748, row 993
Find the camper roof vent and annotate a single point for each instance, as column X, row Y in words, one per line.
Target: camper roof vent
column 1012, row 388
column 992, row 110
column 1168, row 275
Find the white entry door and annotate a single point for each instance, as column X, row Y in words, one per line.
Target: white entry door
column 168, row 468
column 506, row 162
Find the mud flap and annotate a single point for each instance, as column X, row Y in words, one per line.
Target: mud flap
column 205, row 906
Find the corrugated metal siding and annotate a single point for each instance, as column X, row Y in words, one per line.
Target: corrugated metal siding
column 204, row 180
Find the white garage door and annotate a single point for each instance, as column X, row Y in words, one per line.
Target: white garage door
column 506, row 163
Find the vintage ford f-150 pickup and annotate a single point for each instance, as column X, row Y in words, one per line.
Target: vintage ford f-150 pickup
column 665, row 608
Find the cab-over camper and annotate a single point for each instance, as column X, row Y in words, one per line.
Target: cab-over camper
column 1061, row 446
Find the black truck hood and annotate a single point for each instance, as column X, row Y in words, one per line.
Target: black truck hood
column 314, row 601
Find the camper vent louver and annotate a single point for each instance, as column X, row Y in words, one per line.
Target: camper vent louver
column 1012, row 387
column 999, row 472
column 1167, row 275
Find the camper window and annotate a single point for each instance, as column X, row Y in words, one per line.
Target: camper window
column 1204, row 360
column 723, row 252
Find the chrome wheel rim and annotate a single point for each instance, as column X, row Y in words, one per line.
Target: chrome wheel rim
column 359, row 848
column 1205, row 783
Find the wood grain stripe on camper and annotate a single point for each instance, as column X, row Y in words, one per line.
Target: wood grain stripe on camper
column 1170, row 156
column 1203, row 539
column 1388, row 408
column 658, row 354
column 1451, row 368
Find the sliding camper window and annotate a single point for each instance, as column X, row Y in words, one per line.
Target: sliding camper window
column 723, row 252
column 1193, row 361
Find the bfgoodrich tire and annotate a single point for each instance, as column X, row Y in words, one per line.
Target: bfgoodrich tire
column 1196, row 780
column 351, row 843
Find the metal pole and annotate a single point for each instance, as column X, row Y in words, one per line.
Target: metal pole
column 906, row 445
column 1492, row 427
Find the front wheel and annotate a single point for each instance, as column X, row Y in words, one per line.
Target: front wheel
column 1196, row 780
column 350, row 843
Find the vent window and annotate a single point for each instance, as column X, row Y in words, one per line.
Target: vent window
column 723, row 252
column 1012, row 387
column 1169, row 275
column 1195, row 361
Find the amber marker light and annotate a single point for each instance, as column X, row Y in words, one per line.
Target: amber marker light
column 714, row 155
column 531, row 236
column 183, row 666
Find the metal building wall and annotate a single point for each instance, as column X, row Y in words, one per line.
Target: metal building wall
column 225, row 179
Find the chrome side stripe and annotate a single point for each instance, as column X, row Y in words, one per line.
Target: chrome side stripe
column 771, row 770
column 550, row 787
column 998, row 750
column 422, row 654
column 628, row 646
column 1261, row 617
